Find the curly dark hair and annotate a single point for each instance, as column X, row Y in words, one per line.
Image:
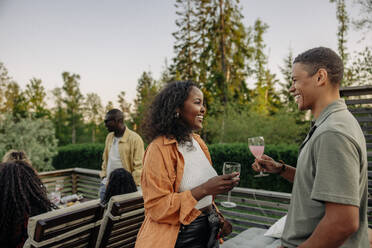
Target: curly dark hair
column 120, row 182
column 161, row 117
column 22, row 195
column 322, row 57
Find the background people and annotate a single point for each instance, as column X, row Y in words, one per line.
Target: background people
column 123, row 149
column 22, row 195
column 178, row 181
column 120, row 182
column 330, row 192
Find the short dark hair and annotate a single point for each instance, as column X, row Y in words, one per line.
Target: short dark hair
column 322, row 57
column 120, row 182
column 161, row 117
column 116, row 113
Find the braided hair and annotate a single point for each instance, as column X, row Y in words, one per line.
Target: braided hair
column 22, row 195
column 120, row 182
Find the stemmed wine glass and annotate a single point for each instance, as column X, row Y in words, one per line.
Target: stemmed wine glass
column 256, row 146
column 228, row 168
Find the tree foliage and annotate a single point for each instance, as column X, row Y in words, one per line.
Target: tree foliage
column 35, row 136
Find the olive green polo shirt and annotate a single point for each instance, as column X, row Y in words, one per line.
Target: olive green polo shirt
column 331, row 167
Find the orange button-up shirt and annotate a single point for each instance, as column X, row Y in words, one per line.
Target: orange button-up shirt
column 165, row 208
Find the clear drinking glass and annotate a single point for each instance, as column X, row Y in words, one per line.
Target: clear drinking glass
column 257, row 146
column 228, row 168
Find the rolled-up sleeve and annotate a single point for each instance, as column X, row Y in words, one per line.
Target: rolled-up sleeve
column 162, row 204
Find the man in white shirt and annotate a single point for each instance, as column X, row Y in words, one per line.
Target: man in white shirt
column 123, row 149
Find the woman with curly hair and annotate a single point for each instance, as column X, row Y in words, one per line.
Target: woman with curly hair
column 120, row 182
column 178, row 181
column 22, row 195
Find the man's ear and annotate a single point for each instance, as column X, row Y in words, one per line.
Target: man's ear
column 322, row 77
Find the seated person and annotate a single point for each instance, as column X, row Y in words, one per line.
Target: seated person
column 120, row 182
column 22, row 195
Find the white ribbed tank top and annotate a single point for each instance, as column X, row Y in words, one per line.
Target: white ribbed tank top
column 197, row 170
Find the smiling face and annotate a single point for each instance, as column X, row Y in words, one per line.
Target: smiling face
column 193, row 110
column 304, row 87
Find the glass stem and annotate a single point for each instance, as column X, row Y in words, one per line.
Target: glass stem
column 228, row 196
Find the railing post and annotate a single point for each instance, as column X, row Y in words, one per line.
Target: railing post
column 74, row 182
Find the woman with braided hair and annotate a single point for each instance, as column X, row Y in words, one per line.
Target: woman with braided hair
column 22, row 195
column 120, row 182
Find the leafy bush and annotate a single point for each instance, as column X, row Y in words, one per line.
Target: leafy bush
column 280, row 128
column 80, row 155
column 90, row 156
column 35, row 136
column 239, row 152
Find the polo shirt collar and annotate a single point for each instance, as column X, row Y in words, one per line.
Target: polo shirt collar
column 335, row 106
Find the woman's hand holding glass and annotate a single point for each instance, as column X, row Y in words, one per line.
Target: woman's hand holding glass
column 216, row 185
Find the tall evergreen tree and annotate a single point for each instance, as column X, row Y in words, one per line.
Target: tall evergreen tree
column 73, row 100
column 286, row 70
column 93, row 112
column 184, row 48
column 265, row 97
column 59, row 117
column 147, row 88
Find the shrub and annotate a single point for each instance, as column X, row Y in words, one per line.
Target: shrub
column 80, row 155
column 35, row 136
column 90, row 156
column 239, row 152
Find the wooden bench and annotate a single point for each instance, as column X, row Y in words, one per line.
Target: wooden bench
column 75, row 226
column 255, row 208
column 122, row 221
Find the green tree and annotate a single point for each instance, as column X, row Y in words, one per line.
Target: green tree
column 59, row 117
column 361, row 68
column 109, row 106
column 343, row 26
column 124, row 105
column 265, row 98
column 73, row 100
column 5, row 79
column 36, row 96
column 35, row 136
column 147, row 88
column 93, row 112
column 15, row 100
column 365, row 15
column 185, row 60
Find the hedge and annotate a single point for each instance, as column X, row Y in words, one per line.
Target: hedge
column 90, row 156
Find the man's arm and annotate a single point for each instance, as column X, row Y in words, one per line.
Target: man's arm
column 288, row 173
column 104, row 160
column 267, row 164
column 137, row 160
column 339, row 222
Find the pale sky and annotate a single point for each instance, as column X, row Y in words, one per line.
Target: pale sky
column 110, row 43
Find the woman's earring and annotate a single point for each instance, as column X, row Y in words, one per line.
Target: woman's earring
column 177, row 115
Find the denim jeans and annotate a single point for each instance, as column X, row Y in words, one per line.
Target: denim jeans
column 102, row 190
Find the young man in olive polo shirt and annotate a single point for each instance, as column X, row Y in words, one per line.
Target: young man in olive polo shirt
column 330, row 192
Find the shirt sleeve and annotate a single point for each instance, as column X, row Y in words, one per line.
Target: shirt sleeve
column 162, row 204
column 104, row 160
column 137, row 160
column 337, row 169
